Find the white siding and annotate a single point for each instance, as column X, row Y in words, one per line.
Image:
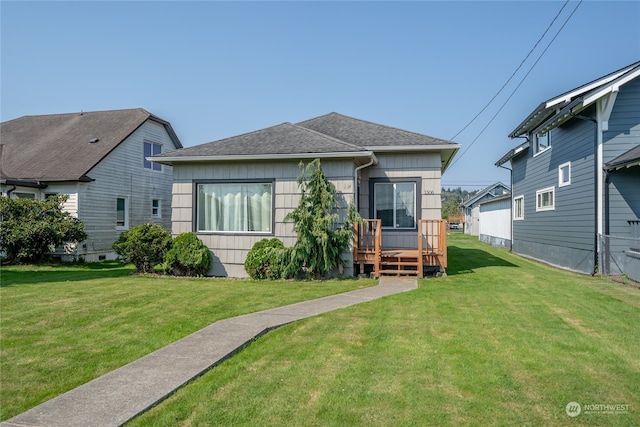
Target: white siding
column 495, row 222
column 122, row 174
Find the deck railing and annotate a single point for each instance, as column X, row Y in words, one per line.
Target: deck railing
column 430, row 250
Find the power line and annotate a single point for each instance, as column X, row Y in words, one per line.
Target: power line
column 521, row 81
column 514, row 73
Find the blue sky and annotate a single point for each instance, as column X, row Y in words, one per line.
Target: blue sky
column 219, row 69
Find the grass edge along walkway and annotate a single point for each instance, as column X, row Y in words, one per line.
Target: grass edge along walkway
column 120, row 395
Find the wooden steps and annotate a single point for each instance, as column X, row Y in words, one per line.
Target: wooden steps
column 430, row 251
column 403, row 262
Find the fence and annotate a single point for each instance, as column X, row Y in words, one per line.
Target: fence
column 620, row 255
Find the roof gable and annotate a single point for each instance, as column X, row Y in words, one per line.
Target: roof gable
column 489, row 191
column 58, row 147
column 559, row 108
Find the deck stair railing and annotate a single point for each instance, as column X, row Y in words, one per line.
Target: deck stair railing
column 430, row 249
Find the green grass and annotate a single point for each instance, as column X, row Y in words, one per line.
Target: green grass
column 61, row 326
column 500, row 341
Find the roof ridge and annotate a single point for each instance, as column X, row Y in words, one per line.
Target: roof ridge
column 329, row 137
column 76, row 113
column 379, row 124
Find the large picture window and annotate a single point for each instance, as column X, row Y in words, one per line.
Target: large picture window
column 235, row 207
column 395, row 204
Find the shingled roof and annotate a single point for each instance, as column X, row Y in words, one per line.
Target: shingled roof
column 331, row 135
column 367, row 134
column 65, row 147
column 625, row 160
column 283, row 139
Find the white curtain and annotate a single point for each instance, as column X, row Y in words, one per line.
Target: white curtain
column 234, row 207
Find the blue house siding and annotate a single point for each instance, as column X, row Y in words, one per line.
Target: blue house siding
column 573, row 234
column 623, row 186
column 566, row 235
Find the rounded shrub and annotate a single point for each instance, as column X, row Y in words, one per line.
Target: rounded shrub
column 266, row 260
column 188, row 256
column 144, row 246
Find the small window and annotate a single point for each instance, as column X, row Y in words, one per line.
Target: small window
column 122, row 215
column 542, row 142
column 395, row 204
column 545, row 199
column 24, row 195
column 155, row 208
column 518, row 207
column 564, row 174
column 151, row 149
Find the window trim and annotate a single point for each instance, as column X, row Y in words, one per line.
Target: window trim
column 561, row 182
column 196, row 210
column 158, row 208
column 536, row 143
column 552, row 206
column 400, row 180
column 146, row 164
column 125, row 225
column 518, row 199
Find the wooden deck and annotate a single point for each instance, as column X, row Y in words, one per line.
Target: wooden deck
column 430, row 250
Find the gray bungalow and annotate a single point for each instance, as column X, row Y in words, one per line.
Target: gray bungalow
column 99, row 160
column 576, row 178
column 237, row 191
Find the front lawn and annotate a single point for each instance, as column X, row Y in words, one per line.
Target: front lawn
column 62, row 326
column 500, row 341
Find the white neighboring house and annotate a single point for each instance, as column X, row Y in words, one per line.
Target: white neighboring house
column 471, row 206
column 495, row 221
column 99, row 160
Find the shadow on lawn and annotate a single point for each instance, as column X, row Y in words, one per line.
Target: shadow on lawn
column 465, row 260
column 28, row 274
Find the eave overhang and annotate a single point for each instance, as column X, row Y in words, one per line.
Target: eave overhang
column 513, row 153
column 168, row 160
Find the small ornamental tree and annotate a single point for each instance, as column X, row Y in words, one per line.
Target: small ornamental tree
column 144, row 246
column 319, row 243
column 188, row 256
column 30, row 228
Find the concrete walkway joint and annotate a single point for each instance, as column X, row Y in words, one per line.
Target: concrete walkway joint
column 120, row 395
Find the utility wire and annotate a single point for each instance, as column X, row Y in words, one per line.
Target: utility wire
column 519, row 84
column 514, row 73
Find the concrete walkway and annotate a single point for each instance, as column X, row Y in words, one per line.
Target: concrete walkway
column 115, row 398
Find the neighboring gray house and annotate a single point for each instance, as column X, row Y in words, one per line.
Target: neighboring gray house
column 495, row 221
column 576, row 179
column 99, row 160
column 471, row 206
column 237, row 191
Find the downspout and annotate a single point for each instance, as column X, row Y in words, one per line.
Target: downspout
column 373, row 161
column 512, row 195
column 510, row 207
column 597, row 189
